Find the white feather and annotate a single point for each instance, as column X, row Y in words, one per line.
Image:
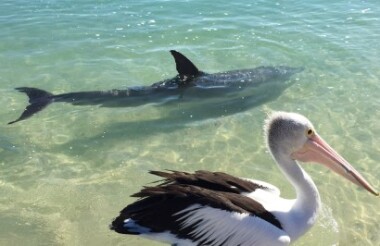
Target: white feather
column 232, row 228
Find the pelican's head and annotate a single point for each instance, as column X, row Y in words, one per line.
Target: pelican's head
column 293, row 135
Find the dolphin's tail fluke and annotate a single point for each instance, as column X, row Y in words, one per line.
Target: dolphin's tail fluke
column 38, row 100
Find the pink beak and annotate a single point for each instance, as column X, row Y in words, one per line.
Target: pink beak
column 317, row 150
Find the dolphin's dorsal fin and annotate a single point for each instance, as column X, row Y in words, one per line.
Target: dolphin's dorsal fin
column 185, row 68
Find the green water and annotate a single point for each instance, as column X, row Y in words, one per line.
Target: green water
column 67, row 171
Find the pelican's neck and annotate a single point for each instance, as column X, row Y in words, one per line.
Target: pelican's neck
column 304, row 211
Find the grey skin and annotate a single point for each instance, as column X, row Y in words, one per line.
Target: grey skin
column 245, row 88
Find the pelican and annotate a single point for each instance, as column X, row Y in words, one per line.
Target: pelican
column 214, row 208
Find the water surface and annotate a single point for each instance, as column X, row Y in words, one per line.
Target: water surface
column 66, row 172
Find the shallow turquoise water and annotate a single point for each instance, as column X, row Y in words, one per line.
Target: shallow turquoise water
column 66, row 172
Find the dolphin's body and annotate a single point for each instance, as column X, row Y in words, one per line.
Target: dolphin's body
column 190, row 84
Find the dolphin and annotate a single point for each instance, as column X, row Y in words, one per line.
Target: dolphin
column 190, row 84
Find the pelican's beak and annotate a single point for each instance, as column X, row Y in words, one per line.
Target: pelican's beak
column 317, row 150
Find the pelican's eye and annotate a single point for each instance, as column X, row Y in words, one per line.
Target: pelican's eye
column 309, row 132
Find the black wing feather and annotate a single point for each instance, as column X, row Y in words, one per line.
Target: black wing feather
column 159, row 207
column 217, row 181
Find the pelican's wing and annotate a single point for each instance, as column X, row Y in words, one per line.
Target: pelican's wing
column 193, row 209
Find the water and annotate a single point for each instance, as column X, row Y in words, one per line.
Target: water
column 66, row 172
